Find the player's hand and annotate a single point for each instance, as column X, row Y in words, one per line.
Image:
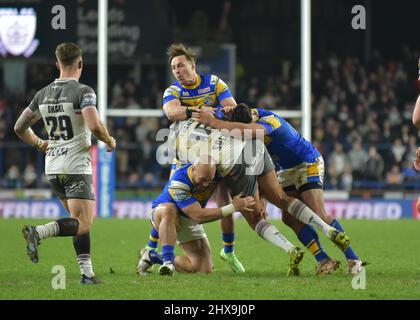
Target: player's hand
column 228, row 109
column 111, row 145
column 42, row 145
column 243, row 204
column 210, row 110
column 203, row 116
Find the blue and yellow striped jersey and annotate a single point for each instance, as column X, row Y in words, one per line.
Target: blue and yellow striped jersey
column 180, row 190
column 286, row 146
column 209, row 90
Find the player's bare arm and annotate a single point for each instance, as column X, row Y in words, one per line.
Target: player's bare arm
column 203, row 215
column 23, row 129
column 98, row 129
column 174, row 111
column 228, row 103
column 251, row 128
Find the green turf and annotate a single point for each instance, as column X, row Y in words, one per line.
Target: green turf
column 392, row 248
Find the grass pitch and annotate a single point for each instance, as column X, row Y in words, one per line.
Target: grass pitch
column 391, row 247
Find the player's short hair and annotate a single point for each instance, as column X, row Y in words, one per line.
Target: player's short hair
column 178, row 49
column 68, row 53
column 242, row 113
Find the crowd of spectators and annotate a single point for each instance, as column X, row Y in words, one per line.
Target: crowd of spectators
column 361, row 122
column 361, row 117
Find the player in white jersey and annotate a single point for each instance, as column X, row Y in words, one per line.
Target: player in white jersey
column 189, row 92
column 246, row 166
column 68, row 110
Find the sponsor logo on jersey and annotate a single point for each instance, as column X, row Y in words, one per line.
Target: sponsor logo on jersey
column 208, row 101
column 186, row 94
column 201, row 91
column 179, row 194
column 89, row 99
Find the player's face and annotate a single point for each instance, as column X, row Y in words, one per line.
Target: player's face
column 183, row 70
column 203, row 177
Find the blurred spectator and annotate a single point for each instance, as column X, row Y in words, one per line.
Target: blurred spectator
column 358, row 158
column 398, row 150
column 408, row 172
column 13, row 178
column 374, row 165
column 337, row 161
column 347, row 178
column 394, row 177
column 29, row 176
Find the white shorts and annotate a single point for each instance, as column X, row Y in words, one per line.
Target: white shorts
column 187, row 230
column 305, row 176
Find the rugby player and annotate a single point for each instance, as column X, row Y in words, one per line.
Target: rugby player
column 189, row 92
column 178, row 213
column 244, row 172
column 300, row 170
column 416, row 122
column 68, row 110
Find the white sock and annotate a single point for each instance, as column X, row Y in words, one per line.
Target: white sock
column 47, row 230
column 85, row 264
column 270, row 233
column 303, row 213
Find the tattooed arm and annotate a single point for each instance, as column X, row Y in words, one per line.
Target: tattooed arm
column 23, row 129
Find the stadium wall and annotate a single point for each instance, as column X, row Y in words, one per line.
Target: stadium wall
column 140, row 209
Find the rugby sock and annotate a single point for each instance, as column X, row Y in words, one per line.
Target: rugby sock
column 168, row 253
column 303, row 213
column 310, row 239
column 82, row 246
column 270, row 233
column 349, row 253
column 155, row 257
column 229, row 242
column 153, row 239
column 67, row 227
column 85, row 264
column 47, row 230
column 82, row 243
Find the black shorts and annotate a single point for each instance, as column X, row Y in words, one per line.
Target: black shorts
column 72, row 186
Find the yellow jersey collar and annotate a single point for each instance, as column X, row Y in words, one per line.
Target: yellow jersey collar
column 190, row 174
column 196, row 84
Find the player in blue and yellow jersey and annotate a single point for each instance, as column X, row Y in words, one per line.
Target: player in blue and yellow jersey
column 178, row 213
column 300, row 170
column 189, row 92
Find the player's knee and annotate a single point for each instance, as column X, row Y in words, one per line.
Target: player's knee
column 169, row 213
column 84, row 227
